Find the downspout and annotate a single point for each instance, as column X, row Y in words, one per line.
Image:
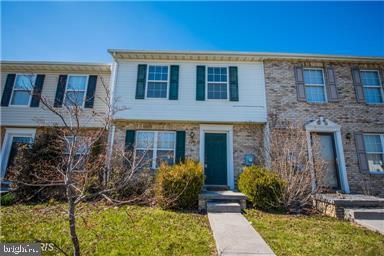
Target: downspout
column 111, row 133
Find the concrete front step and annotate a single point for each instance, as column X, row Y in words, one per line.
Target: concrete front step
column 226, row 196
column 368, row 214
column 223, row 207
column 215, row 188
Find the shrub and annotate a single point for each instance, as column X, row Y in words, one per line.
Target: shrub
column 7, row 199
column 178, row 186
column 263, row 188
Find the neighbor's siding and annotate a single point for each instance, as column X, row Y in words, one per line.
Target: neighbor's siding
column 30, row 117
column 249, row 108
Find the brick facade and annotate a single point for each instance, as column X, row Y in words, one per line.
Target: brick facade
column 352, row 116
column 247, row 138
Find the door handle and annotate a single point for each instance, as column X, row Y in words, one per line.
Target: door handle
column 205, row 166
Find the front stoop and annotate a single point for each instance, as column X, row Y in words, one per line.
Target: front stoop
column 223, row 207
column 221, row 199
column 372, row 219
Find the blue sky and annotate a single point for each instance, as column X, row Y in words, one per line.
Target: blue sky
column 70, row 31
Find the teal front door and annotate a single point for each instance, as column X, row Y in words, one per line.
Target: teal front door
column 215, row 159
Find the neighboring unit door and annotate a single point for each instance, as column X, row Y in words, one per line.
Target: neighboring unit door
column 215, row 162
column 328, row 153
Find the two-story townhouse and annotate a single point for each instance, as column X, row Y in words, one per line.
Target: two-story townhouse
column 341, row 99
column 209, row 106
column 24, row 84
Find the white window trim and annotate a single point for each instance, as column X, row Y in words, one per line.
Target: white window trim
column 154, row 148
column 317, row 85
column 380, row 86
column 206, row 82
column 31, row 91
column 7, row 143
column 85, row 90
column 381, row 135
column 167, row 81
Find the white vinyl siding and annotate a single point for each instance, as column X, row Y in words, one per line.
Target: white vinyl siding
column 22, row 90
column 154, row 147
column 251, row 106
column 374, row 147
column 314, row 85
column 373, row 90
column 29, row 117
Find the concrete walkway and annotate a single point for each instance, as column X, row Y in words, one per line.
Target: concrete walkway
column 235, row 236
column 374, row 225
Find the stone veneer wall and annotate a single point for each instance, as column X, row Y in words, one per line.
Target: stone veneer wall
column 352, row 116
column 247, row 138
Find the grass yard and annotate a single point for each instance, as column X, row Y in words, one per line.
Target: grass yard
column 126, row 230
column 315, row 235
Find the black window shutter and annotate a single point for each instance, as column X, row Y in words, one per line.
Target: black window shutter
column 130, row 140
column 357, row 84
column 180, row 146
column 233, row 84
column 200, row 83
column 8, row 90
column 174, row 83
column 141, row 79
column 300, row 87
column 60, row 91
column 91, row 88
column 361, row 153
column 37, row 88
column 332, row 94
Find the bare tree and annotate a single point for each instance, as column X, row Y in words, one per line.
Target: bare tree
column 82, row 156
column 289, row 156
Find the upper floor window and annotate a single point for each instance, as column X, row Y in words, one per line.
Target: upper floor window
column 373, row 91
column 314, row 85
column 76, row 90
column 374, row 147
column 217, row 82
column 154, row 147
column 22, row 90
column 157, row 82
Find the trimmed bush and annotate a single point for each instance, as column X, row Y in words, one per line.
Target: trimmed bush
column 178, row 186
column 7, row 199
column 263, row 188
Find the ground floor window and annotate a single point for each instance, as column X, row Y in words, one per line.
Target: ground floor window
column 79, row 145
column 374, row 147
column 154, row 147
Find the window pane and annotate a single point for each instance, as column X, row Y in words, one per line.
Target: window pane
column 158, row 73
column 25, row 82
column 373, row 95
column 157, row 90
column 373, row 143
column 165, row 156
column 216, row 74
column 145, row 140
column 313, row 76
column 143, row 159
column 376, row 162
column 217, row 91
column 370, row 78
column 315, row 93
column 77, row 83
column 74, row 98
column 166, row 140
column 20, row 97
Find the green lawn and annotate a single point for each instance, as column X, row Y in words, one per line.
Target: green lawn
column 126, row 230
column 315, row 235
